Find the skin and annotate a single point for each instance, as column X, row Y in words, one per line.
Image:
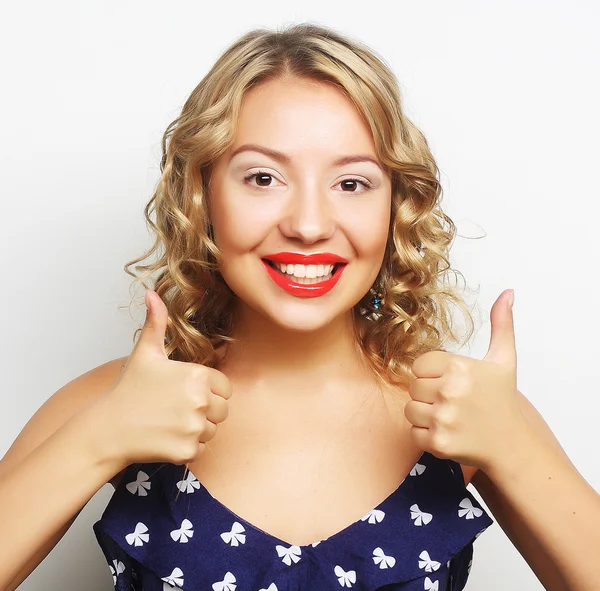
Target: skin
column 301, row 453
column 306, row 209
column 309, row 426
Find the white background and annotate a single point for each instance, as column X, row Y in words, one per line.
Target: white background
column 506, row 93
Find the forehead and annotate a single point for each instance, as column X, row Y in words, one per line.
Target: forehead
column 302, row 117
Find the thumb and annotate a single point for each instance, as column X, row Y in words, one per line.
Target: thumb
column 152, row 337
column 502, row 347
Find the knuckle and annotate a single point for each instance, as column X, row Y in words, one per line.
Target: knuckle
column 446, row 391
column 439, row 441
column 201, row 400
column 445, row 411
column 209, row 431
column 196, row 375
column 445, row 417
column 188, row 451
column 452, row 388
column 458, row 365
column 193, row 425
column 202, row 374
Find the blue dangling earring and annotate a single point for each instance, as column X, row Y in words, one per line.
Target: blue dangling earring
column 372, row 306
column 377, row 300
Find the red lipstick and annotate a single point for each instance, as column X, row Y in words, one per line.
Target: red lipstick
column 317, row 258
column 305, row 290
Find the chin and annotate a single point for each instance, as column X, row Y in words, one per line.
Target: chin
column 303, row 315
column 306, row 323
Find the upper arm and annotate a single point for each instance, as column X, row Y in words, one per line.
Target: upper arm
column 506, row 516
column 58, row 409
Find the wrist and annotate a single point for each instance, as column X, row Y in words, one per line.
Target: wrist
column 99, row 443
column 514, row 456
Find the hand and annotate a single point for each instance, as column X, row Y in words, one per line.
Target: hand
column 465, row 409
column 159, row 409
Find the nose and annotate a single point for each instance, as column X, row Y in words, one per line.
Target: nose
column 309, row 216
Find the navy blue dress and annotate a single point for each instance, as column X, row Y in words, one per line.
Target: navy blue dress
column 161, row 532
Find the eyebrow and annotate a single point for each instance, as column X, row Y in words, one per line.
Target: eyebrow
column 285, row 158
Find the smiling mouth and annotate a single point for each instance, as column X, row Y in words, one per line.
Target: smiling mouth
column 305, row 274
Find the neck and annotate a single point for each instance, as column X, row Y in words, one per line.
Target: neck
column 263, row 350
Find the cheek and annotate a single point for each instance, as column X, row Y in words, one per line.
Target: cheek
column 238, row 224
column 368, row 230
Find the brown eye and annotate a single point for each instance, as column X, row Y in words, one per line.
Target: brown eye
column 263, row 178
column 350, row 184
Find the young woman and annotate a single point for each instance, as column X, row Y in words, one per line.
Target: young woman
column 288, row 418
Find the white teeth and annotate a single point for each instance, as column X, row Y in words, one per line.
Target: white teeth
column 306, row 271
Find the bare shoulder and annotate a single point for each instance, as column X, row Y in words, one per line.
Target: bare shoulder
column 60, row 407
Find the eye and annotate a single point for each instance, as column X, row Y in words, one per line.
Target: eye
column 365, row 183
column 264, row 180
column 261, row 176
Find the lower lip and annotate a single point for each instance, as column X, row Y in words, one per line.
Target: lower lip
column 304, row 290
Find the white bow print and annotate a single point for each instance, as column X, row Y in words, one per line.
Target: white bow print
column 185, row 532
column 420, row 517
column 139, row 536
column 235, row 537
column 468, row 511
column 119, row 567
column 345, row 579
column 373, row 516
column 188, row 484
column 417, row 469
column 140, row 485
column 290, row 554
column 174, row 580
column 427, row 563
column 271, row 587
column 382, row 560
column 430, row 585
column 227, row 584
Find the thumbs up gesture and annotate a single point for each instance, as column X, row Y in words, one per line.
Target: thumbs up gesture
column 160, row 409
column 465, row 409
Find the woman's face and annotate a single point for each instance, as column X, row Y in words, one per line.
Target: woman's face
column 305, row 201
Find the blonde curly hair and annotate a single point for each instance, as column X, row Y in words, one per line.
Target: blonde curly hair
column 415, row 317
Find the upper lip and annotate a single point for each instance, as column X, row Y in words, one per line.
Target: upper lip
column 296, row 258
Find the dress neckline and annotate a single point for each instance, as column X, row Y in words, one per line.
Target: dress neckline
column 345, row 530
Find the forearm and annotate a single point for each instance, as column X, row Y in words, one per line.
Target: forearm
column 556, row 508
column 47, row 488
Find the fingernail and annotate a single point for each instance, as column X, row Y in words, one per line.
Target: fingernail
column 511, row 299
